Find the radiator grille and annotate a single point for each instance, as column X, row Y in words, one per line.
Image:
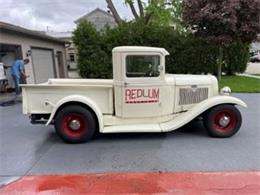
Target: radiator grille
column 192, row 95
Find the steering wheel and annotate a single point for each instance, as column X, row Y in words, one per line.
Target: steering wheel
column 151, row 72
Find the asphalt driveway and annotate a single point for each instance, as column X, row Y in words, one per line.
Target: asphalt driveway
column 27, row 149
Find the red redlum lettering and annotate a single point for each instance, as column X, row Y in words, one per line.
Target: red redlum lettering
column 133, row 94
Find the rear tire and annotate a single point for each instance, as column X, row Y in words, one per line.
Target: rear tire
column 75, row 124
column 223, row 121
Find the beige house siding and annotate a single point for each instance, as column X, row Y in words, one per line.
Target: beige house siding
column 99, row 18
column 27, row 43
column 255, row 46
column 71, row 50
column 73, row 70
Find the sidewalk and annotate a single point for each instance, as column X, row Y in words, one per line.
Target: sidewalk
column 249, row 75
column 139, row 183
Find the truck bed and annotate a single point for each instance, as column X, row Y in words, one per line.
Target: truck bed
column 35, row 96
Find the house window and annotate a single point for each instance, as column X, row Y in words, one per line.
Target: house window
column 142, row 66
column 72, row 57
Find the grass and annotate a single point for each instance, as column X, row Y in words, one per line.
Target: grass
column 241, row 84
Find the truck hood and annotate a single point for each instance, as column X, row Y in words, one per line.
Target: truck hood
column 186, row 79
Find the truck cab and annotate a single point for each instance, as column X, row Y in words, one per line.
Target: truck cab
column 141, row 97
column 140, row 84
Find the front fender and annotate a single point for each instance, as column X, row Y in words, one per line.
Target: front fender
column 198, row 109
column 81, row 99
column 217, row 100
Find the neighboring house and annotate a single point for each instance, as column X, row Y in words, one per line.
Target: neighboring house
column 46, row 53
column 70, row 52
column 255, row 46
column 99, row 18
column 254, row 68
column 71, row 57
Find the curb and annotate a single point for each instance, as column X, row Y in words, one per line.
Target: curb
column 248, row 75
column 4, row 181
column 140, row 183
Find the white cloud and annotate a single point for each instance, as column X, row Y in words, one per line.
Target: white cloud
column 58, row 15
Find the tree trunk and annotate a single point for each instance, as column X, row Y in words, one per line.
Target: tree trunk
column 220, row 62
column 141, row 8
column 147, row 18
column 132, row 7
column 112, row 8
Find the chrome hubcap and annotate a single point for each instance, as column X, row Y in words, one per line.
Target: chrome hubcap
column 224, row 121
column 74, row 125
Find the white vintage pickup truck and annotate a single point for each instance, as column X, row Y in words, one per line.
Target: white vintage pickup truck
column 140, row 98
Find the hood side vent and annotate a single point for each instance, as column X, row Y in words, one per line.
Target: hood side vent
column 192, row 95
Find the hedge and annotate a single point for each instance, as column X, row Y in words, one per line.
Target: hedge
column 188, row 54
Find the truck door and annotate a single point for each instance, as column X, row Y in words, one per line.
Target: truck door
column 142, row 86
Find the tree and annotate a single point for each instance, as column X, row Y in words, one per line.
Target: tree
column 189, row 54
column 93, row 58
column 162, row 12
column 112, row 8
column 223, row 22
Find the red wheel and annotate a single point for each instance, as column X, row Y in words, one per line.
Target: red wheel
column 75, row 124
column 223, row 121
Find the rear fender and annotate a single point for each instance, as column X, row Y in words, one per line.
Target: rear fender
column 198, row 109
column 81, row 99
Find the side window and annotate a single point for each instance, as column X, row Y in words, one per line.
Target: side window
column 72, row 57
column 142, row 66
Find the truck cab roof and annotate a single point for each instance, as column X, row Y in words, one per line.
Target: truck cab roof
column 123, row 49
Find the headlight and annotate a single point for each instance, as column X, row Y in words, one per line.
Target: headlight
column 225, row 91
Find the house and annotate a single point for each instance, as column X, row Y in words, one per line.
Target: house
column 46, row 53
column 99, row 18
column 70, row 52
column 255, row 46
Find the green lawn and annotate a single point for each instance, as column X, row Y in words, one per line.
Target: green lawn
column 241, row 84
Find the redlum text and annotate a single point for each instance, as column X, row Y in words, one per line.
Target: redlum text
column 147, row 94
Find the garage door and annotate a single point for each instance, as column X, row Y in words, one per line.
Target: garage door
column 43, row 64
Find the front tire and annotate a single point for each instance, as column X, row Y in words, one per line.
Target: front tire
column 75, row 124
column 223, row 121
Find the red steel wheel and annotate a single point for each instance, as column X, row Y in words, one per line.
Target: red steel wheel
column 223, row 121
column 75, row 124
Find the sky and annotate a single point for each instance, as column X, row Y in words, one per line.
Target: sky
column 56, row 15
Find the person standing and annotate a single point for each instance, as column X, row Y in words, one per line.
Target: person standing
column 18, row 73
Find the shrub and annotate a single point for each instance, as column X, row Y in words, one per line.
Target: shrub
column 92, row 57
column 191, row 56
column 236, row 58
column 188, row 54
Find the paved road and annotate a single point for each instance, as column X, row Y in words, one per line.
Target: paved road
column 27, row 149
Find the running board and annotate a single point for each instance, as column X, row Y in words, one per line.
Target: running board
column 138, row 128
column 178, row 121
column 146, row 128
